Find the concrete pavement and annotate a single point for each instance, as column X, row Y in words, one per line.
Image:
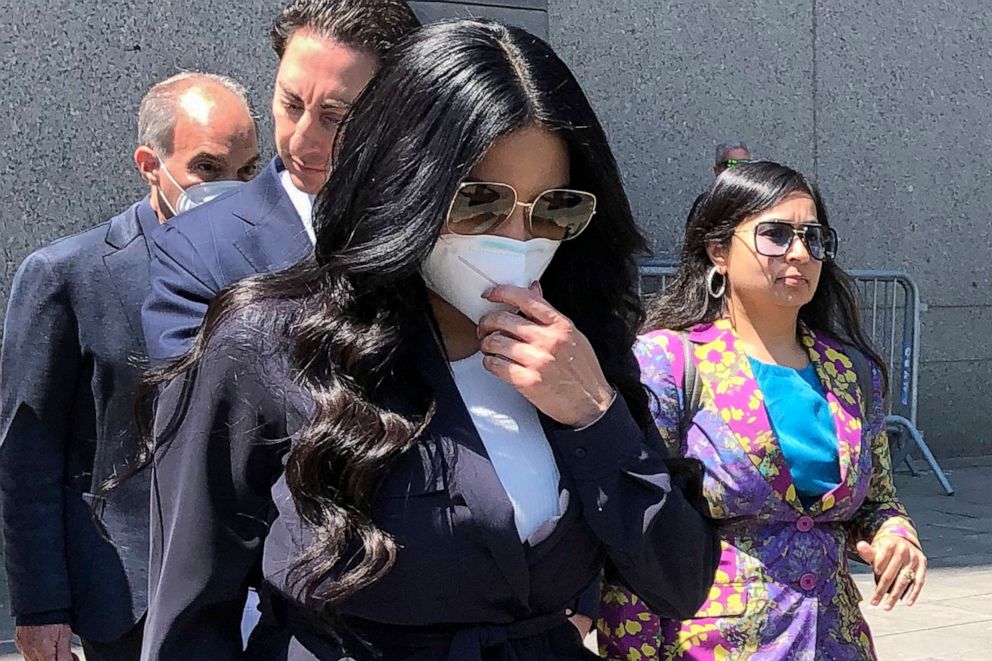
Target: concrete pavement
column 952, row 621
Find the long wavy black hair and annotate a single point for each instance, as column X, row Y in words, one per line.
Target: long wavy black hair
column 438, row 102
column 738, row 194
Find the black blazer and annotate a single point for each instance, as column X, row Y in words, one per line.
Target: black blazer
column 72, row 356
column 254, row 230
column 462, row 582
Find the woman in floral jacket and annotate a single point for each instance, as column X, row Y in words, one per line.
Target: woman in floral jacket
column 797, row 468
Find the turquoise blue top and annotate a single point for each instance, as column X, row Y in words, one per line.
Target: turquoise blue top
column 800, row 415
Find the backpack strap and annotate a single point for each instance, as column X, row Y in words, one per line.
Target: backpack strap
column 691, row 386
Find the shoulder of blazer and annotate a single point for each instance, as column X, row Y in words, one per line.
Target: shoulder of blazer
column 232, row 215
column 125, row 227
column 116, row 232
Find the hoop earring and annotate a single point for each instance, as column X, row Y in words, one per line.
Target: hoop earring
column 710, row 276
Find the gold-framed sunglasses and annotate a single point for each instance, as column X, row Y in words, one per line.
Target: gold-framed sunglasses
column 480, row 207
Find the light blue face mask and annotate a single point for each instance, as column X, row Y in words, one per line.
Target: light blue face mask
column 197, row 194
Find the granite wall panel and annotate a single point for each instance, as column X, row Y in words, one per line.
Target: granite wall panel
column 885, row 102
column 74, row 73
column 672, row 79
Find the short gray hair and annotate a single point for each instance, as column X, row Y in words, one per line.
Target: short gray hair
column 730, row 145
column 157, row 114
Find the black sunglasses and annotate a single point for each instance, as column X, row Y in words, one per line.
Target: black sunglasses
column 734, row 162
column 773, row 238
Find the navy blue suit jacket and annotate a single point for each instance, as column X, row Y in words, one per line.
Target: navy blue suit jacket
column 72, row 356
column 254, row 230
column 463, row 587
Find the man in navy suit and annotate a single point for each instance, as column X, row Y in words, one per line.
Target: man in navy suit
column 72, row 356
column 328, row 51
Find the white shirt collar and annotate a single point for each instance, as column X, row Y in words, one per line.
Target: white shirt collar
column 302, row 202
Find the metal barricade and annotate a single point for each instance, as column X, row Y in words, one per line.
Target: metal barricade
column 889, row 302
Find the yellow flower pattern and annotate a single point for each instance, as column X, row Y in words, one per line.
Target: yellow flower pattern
column 783, row 589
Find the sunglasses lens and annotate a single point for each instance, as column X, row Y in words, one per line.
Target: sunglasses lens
column 821, row 241
column 828, row 243
column 815, row 242
column 561, row 214
column 833, row 243
column 479, row 208
column 773, row 239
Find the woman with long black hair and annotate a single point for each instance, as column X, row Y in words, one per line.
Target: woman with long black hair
column 760, row 369
column 422, row 451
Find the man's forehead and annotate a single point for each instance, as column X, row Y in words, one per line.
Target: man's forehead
column 735, row 153
column 196, row 105
column 218, row 138
column 318, row 69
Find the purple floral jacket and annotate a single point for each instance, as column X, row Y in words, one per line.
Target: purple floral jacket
column 782, row 589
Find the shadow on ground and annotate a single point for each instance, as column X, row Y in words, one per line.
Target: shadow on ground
column 952, row 620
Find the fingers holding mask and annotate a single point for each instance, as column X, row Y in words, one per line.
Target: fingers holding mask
column 544, row 356
column 510, row 348
column 522, row 378
column 529, row 301
column 512, row 325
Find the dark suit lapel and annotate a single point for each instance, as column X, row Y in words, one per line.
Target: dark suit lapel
column 127, row 268
column 277, row 238
column 472, row 477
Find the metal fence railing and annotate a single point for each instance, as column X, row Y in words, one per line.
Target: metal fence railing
column 889, row 302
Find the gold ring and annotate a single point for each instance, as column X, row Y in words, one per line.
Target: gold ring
column 909, row 575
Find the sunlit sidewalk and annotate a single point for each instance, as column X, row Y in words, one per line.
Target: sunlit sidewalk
column 953, row 619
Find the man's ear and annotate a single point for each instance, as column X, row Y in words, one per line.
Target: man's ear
column 148, row 164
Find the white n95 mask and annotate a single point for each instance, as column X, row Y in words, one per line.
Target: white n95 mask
column 197, row 194
column 461, row 267
column 204, row 192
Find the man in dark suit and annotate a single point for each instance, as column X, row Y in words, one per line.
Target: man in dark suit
column 328, row 51
column 72, row 356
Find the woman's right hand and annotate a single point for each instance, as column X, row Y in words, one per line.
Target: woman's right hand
column 544, row 356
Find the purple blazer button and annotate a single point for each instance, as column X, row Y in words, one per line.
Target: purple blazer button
column 804, row 524
column 807, row 581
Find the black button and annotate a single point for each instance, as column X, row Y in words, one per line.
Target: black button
column 580, row 453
